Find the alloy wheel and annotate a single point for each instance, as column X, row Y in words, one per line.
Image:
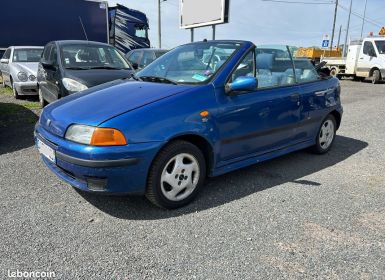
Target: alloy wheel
column 326, row 134
column 180, row 177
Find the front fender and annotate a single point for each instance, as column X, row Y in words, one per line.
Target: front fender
column 171, row 117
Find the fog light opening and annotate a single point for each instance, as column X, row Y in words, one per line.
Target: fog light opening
column 96, row 184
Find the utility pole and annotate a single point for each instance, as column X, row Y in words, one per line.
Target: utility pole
column 347, row 29
column 159, row 27
column 363, row 19
column 339, row 37
column 334, row 24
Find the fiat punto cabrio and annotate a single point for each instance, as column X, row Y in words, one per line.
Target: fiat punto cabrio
column 189, row 115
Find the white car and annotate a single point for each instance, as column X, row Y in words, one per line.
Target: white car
column 18, row 68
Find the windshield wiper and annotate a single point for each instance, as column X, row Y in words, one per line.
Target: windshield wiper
column 136, row 78
column 77, row 68
column 156, row 79
column 108, row 68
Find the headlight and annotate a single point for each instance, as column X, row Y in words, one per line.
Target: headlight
column 95, row 136
column 22, row 76
column 32, row 77
column 72, row 85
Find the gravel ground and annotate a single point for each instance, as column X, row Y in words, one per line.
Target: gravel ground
column 300, row 216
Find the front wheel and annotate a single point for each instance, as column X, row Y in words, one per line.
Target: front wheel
column 15, row 92
column 176, row 175
column 326, row 135
column 376, row 77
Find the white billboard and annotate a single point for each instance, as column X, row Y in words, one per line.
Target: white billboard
column 197, row 13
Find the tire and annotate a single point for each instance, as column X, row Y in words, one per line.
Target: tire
column 376, row 77
column 183, row 165
column 15, row 93
column 333, row 72
column 326, row 135
column 42, row 101
column 2, row 85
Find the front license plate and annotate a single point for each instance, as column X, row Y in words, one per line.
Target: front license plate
column 46, row 151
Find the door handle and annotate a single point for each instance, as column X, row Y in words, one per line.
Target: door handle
column 361, row 58
column 323, row 92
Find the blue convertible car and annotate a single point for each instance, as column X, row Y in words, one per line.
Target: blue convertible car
column 203, row 109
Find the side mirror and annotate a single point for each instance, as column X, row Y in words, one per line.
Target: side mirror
column 242, row 84
column 48, row 65
column 4, row 61
column 135, row 66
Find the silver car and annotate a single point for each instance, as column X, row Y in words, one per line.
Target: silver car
column 18, row 68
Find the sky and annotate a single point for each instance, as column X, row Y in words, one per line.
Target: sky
column 265, row 22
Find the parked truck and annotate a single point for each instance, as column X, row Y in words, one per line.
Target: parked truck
column 26, row 23
column 316, row 54
column 365, row 60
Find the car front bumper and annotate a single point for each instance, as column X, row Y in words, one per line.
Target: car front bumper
column 118, row 170
column 26, row 88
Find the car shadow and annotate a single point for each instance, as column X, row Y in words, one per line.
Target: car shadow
column 16, row 127
column 235, row 185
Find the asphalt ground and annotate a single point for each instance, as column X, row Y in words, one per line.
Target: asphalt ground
column 300, row 216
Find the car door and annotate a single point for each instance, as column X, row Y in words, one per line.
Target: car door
column 317, row 96
column 52, row 74
column 366, row 60
column 5, row 71
column 263, row 120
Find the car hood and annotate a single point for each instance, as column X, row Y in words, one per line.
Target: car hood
column 94, row 77
column 101, row 103
column 28, row 67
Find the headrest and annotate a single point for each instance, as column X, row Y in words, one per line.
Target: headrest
column 265, row 61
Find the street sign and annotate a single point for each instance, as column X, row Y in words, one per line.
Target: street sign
column 382, row 31
column 325, row 41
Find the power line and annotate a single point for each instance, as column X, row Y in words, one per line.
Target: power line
column 300, row 2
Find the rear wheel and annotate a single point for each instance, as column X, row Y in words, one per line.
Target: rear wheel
column 176, row 175
column 326, row 135
column 333, row 72
column 376, row 76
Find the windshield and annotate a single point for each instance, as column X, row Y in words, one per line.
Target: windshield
column 92, row 57
column 381, row 46
column 27, row 55
column 190, row 64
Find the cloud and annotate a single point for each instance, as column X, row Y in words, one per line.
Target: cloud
column 260, row 22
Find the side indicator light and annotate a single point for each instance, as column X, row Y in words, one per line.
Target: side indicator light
column 204, row 114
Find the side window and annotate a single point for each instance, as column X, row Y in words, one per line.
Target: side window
column 369, row 49
column 245, row 68
column 305, row 71
column 134, row 57
column 274, row 66
column 7, row 54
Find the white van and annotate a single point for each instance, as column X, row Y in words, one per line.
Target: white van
column 365, row 59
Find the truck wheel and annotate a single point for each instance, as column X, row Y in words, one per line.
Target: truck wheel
column 176, row 175
column 333, row 72
column 376, row 77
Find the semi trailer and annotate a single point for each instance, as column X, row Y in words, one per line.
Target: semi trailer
column 35, row 23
